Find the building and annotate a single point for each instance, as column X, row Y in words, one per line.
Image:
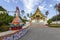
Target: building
column 38, row 17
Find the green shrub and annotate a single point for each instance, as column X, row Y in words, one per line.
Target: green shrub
column 49, row 21
column 4, row 28
column 56, row 18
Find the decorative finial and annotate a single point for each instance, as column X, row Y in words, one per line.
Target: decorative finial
column 17, row 11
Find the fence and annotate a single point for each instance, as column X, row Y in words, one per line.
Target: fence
column 16, row 35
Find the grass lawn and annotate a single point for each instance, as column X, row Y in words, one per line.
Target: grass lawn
column 54, row 25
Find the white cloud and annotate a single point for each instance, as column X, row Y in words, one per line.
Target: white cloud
column 43, row 3
column 58, row 1
column 7, row 1
column 15, row 1
column 50, row 5
column 29, row 4
column 42, row 8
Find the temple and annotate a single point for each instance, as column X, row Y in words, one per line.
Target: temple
column 38, row 17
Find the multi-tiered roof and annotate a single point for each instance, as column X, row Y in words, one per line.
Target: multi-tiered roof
column 17, row 19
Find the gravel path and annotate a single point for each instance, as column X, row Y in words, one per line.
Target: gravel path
column 41, row 32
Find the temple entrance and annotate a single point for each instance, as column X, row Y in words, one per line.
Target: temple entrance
column 38, row 17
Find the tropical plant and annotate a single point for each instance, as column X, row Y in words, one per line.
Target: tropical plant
column 25, row 17
column 57, row 6
column 49, row 21
column 23, row 20
column 55, row 18
column 28, row 14
column 22, row 11
column 47, row 13
column 2, row 9
column 4, row 17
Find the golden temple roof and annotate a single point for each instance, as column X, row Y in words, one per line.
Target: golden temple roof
column 38, row 12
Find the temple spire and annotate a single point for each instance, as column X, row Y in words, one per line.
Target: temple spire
column 17, row 12
column 17, row 20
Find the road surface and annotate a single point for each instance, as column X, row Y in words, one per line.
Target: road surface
column 41, row 32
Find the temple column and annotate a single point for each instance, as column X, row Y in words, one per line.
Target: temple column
column 30, row 21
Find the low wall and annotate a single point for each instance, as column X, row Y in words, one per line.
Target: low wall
column 16, row 35
column 55, row 22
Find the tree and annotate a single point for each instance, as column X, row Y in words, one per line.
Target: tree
column 22, row 11
column 4, row 17
column 25, row 17
column 47, row 13
column 2, row 9
column 49, row 21
column 55, row 18
column 57, row 6
column 28, row 14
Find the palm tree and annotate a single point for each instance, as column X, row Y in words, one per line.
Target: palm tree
column 27, row 14
column 25, row 17
column 30, row 14
column 57, row 6
column 22, row 12
column 47, row 13
column 56, row 10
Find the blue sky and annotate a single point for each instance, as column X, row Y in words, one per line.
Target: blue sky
column 30, row 6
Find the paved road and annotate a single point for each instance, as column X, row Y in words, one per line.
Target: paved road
column 41, row 32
